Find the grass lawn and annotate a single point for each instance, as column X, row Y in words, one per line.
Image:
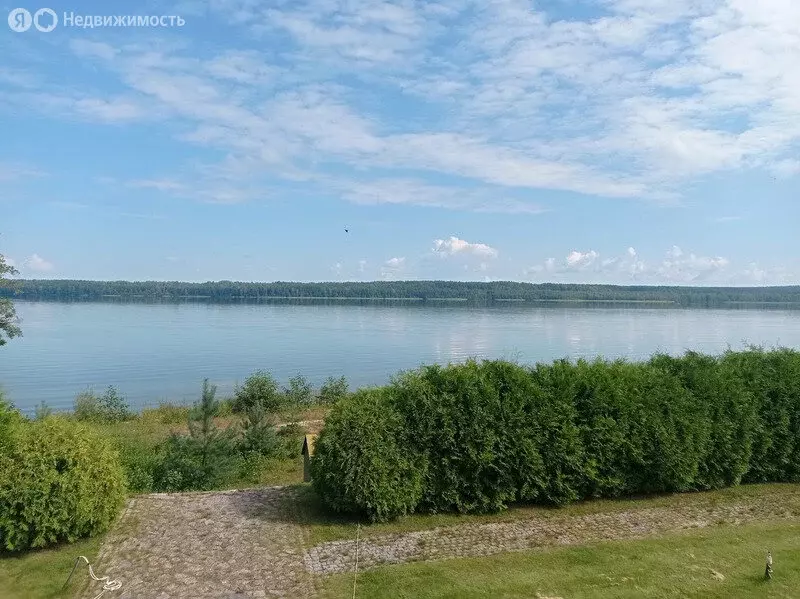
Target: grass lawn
column 324, row 526
column 42, row 574
column 721, row 562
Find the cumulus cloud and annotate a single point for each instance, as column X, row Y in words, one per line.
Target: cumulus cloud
column 631, row 102
column 36, row 263
column 579, row 261
column 686, row 268
column 454, row 246
column 628, row 267
column 392, row 267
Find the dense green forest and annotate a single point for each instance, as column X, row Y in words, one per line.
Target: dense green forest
column 414, row 290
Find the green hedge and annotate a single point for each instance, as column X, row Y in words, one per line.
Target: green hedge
column 361, row 463
column 474, row 437
column 60, row 482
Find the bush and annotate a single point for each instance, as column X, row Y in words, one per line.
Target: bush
column 10, row 422
column 166, row 413
column 361, row 462
column 60, row 482
column 258, row 434
column 109, row 407
column 560, row 445
column 299, row 392
column 333, row 390
column 477, row 436
column 205, row 458
column 261, row 389
column 773, row 380
column 468, row 433
column 728, row 415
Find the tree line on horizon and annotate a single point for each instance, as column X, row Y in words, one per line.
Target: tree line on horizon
column 477, row 292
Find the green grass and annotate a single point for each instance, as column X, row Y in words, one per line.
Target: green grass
column 137, row 441
column 324, row 526
column 674, row 566
column 42, row 574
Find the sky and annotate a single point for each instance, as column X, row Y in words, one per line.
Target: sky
column 593, row 141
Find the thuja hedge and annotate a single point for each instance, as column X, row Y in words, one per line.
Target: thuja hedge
column 60, row 482
column 474, row 437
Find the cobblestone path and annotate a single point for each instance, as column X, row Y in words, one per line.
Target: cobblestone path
column 221, row 545
column 473, row 540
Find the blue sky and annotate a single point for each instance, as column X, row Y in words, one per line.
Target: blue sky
column 618, row 141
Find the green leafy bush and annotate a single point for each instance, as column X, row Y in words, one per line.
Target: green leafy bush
column 203, row 459
column 258, row 434
column 477, row 436
column 773, row 380
column 10, row 421
column 560, row 444
column 60, row 482
column 728, row 413
column 261, row 389
column 43, row 411
column 108, row 407
column 166, row 413
column 333, row 390
column 456, row 418
column 299, row 392
column 362, row 463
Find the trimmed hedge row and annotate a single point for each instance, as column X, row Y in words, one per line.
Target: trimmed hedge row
column 474, row 437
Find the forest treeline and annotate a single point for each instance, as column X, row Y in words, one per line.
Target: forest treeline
column 476, row 292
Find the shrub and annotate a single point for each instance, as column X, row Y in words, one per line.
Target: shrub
column 560, row 445
column 60, row 482
column 258, row 434
column 361, row 463
column 203, row 459
column 10, row 422
column 333, row 390
column 773, row 380
column 108, row 407
column 477, row 436
column 728, row 414
column 43, row 411
column 457, row 419
column 166, row 413
column 299, row 391
column 260, row 388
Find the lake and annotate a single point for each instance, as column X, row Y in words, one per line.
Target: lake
column 162, row 352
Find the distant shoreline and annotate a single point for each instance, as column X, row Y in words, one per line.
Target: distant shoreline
column 409, row 292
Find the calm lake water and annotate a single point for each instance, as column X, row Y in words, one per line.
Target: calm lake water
column 162, row 352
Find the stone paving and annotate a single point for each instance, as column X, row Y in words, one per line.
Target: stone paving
column 247, row 544
column 474, row 540
column 225, row 545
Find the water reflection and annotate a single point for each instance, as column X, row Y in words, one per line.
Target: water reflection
column 163, row 351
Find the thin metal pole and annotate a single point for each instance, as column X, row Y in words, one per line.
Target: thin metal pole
column 355, row 574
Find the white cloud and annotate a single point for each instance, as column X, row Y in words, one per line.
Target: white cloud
column 11, row 171
column 631, row 103
column 682, row 268
column 362, row 266
column 458, row 247
column 36, row 263
column 579, row 261
column 392, row 267
column 10, row 262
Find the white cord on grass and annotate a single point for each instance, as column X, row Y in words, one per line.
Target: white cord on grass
column 108, row 584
